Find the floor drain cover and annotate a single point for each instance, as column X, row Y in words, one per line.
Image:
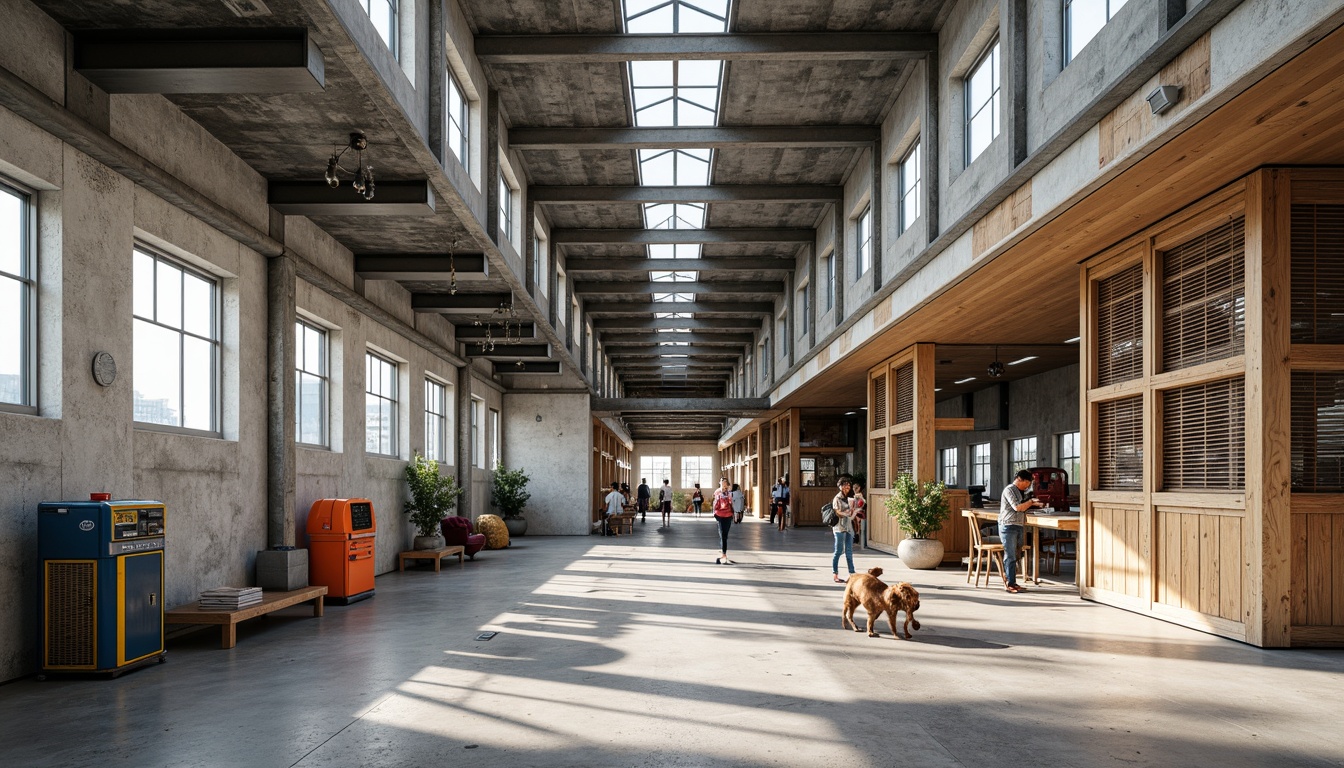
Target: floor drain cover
column 486, row 635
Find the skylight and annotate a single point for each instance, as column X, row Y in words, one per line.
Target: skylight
column 674, row 343
column 672, row 315
column 673, row 16
column 672, row 277
column 674, row 330
column 675, row 93
column 674, row 215
column 674, row 167
column 678, row 251
column 664, row 298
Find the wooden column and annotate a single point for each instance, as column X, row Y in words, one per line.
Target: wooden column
column 926, row 441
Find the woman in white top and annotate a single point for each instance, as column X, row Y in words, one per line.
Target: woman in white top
column 843, row 530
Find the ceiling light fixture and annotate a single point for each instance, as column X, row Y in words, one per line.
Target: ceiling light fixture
column 1074, row 340
column 995, row 368
column 1023, row 360
column 363, row 174
column 963, row 381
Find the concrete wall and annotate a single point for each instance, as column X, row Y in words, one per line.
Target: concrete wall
column 550, row 437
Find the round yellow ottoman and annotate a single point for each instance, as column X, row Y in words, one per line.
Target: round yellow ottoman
column 496, row 533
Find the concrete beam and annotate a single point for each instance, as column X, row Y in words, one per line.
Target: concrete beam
column 713, row 339
column 528, row 367
column 477, row 332
column 701, row 306
column 459, row 303
column 508, row 351
column 708, row 324
column 719, row 193
column 411, row 266
column 642, row 287
column 681, row 236
column 664, row 405
column 690, row 354
column 244, row 60
column 706, row 137
column 577, row 264
column 587, row 49
column 315, row 198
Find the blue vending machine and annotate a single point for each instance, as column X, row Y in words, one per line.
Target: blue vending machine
column 101, row 584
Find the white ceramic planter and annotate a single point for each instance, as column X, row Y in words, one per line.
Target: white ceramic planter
column 921, row 554
column 428, row 542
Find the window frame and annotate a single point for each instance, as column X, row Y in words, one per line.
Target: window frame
column 1014, row 463
column 828, row 269
column 703, row 471
column 982, row 472
column 506, row 222
column 944, row 465
column 477, row 433
column 805, row 308
column 991, row 56
column 394, row 415
column 26, row 278
column 323, row 377
column 863, row 239
column 1070, row 463
column 394, row 24
column 906, row 192
column 158, row 256
column 1066, row 39
column 495, row 448
column 437, row 421
column 462, row 121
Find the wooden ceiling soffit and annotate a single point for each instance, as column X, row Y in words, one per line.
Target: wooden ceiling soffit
column 249, row 60
column 315, row 198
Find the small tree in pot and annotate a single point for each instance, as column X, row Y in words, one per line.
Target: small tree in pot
column 433, row 497
column 920, row 510
column 508, row 494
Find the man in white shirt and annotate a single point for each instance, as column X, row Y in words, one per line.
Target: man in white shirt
column 665, row 501
column 615, row 502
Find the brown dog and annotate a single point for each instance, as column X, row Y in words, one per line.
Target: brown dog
column 876, row 597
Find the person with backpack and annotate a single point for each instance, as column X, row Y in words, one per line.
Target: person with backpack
column 723, row 515
column 642, row 496
column 697, row 499
column 843, row 528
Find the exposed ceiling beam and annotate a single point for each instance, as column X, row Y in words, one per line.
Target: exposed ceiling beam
column 315, row 198
column 528, row 367
column 413, row 266
column 459, row 303
column 660, row 353
column 681, row 404
column 700, row 137
column 576, row 264
column 679, row 236
column 466, row 332
column 717, row 193
column 251, row 60
column 701, row 306
column 587, row 49
column 610, row 340
column 502, row 351
column 694, row 323
column 699, row 287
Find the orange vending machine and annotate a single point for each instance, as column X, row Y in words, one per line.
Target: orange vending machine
column 340, row 536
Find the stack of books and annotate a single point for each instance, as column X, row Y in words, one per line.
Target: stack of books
column 230, row 598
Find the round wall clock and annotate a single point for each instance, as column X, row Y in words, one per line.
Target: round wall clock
column 104, row 369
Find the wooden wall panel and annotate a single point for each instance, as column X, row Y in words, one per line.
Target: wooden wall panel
column 1130, row 123
column 1002, row 221
column 1118, row 563
column 1199, row 562
column 1231, row 556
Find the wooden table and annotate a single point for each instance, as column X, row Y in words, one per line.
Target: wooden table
column 228, row 620
column 436, row 555
column 1035, row 521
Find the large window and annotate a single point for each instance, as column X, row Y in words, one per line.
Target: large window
column 864, row 232
column 697, row 469
column 459, row 122
column 494, row 438
column 804, row 308
column 18, row 292
column 982, row 103
column 656, row 469
column 980, row 465
column 506, row 208
column 477, row 433
column 438, row 439
column 1021, row 454
column 907, row 178
column 310, row 356
column 383, row 14
column 1070, row 456
column 380, row 405
column 828, row 287
column 782, row 334
column 1083, row 19
column 947, row 466
column 176, row 342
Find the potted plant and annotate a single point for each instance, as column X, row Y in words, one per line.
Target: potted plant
column 433, row 496
column 920, row 510
column 508, row 494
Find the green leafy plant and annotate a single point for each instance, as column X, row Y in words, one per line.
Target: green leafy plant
column 508, row 491
column 433, row 495
column 680, row 501
column 920, row 509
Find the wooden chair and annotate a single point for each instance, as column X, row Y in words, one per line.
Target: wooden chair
column 982, row 554
column 1057, row 548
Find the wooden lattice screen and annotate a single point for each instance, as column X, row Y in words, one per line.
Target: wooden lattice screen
column 879, row 479
column 879, row 411
column 905, row 453
column 1120, row 326
column 905, row 393
column 1318, row 432
column 1318, row 274
column 1120, row 444
column 1204, row 298
column 1204, row 436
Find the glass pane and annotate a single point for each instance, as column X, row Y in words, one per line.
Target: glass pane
column 659, row 20
column 1085, row 20
column 651, row 73
column 142, row 280
column 168, row 293
column 11, row 224
column 312, row 409
column 691, row 73
column 657, row 114
column 198, row 306
column 371, row 428
column 389, row 383
column 198, row 383
column 155, row 373
column 11, row 341
column 657, row 169
column 383, row 13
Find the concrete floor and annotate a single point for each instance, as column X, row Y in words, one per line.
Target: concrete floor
column 639, row 651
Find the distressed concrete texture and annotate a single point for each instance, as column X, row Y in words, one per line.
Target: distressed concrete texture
column 551, row 438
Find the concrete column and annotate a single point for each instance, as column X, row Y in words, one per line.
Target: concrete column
column 438, row 64
column 1015, row 65
column 928, row 144
column 878, row 217
column 530, row 276
column 464, row 464
column 838, row 261
column 280, row 394
column 492, row 169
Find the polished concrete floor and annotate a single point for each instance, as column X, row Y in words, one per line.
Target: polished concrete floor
column 640, row 651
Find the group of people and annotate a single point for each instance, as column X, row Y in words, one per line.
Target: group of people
column 851, row 508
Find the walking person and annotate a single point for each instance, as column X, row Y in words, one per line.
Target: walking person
column 843, row 529
column 1013, row 505
column 858, row 506
column 723, row 515
column 777, row 499
column 665, row 501
column 785, row 501
column 697, row 499
column 642, row 496
column 739, row 502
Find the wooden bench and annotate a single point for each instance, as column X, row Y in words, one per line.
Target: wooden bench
column 228, row 620
column 622, row 522
column 436, row 555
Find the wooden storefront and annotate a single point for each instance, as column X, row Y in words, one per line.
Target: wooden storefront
column 1213, row 414
column 611, row 462
column 740, row 463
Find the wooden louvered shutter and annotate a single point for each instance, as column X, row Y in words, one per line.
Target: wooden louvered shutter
column 880, row 401
column 1204, row 436
column 1120, row 444
column 1318, row 432
column 905, row 454
column 905, row 393
column 1318, row 274
column 879, row 462
column 1204, row 298
column 1120, row 327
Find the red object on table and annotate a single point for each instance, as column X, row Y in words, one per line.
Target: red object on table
column 1051, row 486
